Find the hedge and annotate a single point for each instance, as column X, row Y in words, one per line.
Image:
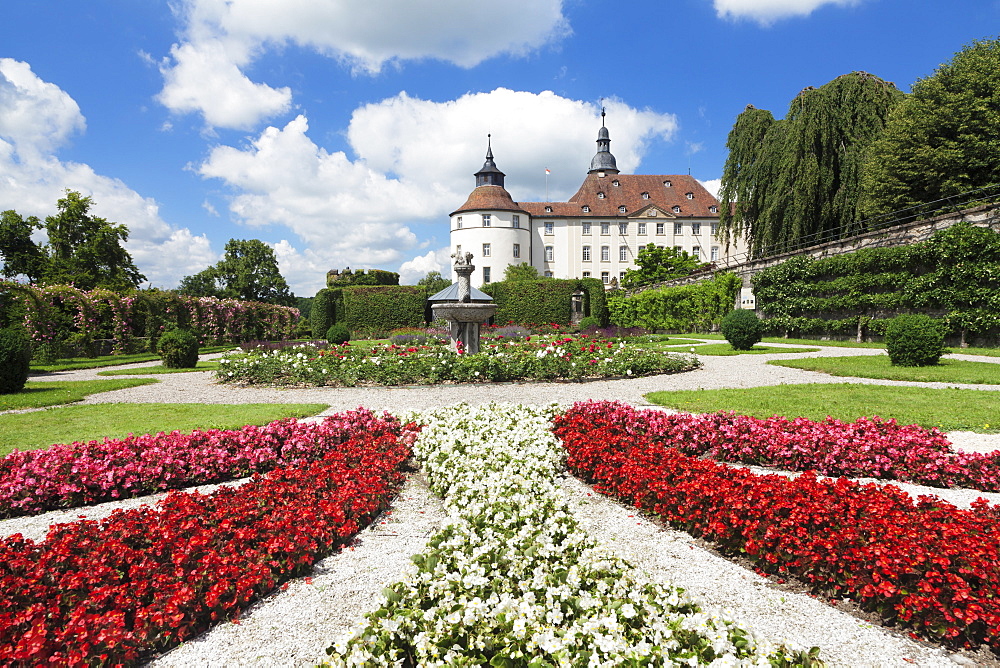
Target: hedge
column 697, row 307
column 547, row 300
column 323, row 313
column 380, row 309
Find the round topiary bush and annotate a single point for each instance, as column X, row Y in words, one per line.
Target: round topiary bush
column 914, row 340
column 742, row 328
column 178, row 348
column 338, row 334
column 589, row 322
column 15, row 360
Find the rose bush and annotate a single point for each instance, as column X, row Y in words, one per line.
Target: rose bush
column 513, row 579
column 926, row 564
column 110, row 592
column 561, row 357
column 64, row 476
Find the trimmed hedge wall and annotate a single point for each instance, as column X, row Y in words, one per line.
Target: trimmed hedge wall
column 380, row 309
column 323, row 313
column 548, row 300
column 689, row 308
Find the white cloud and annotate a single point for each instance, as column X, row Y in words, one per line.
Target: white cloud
column 36, row 118
column 766, row 12
column 413, row 270
column 414, row 164
column 222, row 37
column 712, row 186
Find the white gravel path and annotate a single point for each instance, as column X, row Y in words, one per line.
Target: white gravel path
column 293, row 627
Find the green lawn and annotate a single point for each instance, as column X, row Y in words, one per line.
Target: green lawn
column 72, row 363
column 948, row 409
column 210, row 365
column 878, row 366
column 38, row 394
column 39, row 429
column 724, row 349
column 985, row 352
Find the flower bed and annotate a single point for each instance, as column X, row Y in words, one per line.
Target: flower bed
column 926, row 565
column 571, row 358
column 65, row 476
column 513, row 580
column 142, row 580
column 867, row 448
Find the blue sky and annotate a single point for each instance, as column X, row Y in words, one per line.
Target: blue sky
column 344, row 133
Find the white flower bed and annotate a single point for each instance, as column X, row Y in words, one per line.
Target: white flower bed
column 514, row 581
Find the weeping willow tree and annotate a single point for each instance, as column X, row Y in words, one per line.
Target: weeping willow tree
column 797, row 180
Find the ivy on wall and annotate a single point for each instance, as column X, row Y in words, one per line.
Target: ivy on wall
column 687, row 308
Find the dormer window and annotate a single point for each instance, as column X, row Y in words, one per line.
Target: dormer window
column 677, row 209
column 667, row 184
column 621, row 209
column 548, row 209
column 689, row 195
column 600, row 195
column 645, row 195
column 586, row 209
column 713, row 209
column 615, row 183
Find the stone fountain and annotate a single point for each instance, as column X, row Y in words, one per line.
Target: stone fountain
column 464, row 317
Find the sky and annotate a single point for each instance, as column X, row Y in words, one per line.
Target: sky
column 343, row 133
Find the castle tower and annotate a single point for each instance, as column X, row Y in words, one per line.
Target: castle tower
column 603, row 161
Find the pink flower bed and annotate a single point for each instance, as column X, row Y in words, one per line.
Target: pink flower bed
column 66, row 476
column 111, row 592
column 868, row 448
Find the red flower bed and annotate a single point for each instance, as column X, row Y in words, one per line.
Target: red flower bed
column 145, row 579
column 867, row 448
column 65, row 476
column 927, row 565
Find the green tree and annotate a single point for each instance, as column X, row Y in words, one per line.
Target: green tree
column 657, row 265
column 520, row 272
column 20, row 254
column 249, row 270
column 203, row 284
column 434, row 282
column 799, row 179
column 86, row 250
column 944, row 140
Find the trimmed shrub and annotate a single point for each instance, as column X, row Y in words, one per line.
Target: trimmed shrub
column 914, row 340
column 590, row 322
column 379, row 309
column 742, row 328
column 178, row 348
column 322, row 314
column 686, row 308
column 15, row 360
column 338, row 334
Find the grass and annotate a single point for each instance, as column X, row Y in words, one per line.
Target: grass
column 38, row 394
column 73, row 363
column 210, row 365
column 724, row 349
column 675, row 342
column 984, row 352
column 878, row 366
column 39, row 429
column 947, row 409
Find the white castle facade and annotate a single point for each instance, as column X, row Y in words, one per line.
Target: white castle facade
column 597, row 233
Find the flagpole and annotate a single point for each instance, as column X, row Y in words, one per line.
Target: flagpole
column 546, row 184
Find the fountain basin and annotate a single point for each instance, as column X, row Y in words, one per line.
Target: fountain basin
column 464, row 312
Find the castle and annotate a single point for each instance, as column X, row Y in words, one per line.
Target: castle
column 597, row 233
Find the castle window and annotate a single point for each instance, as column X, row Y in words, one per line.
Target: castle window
column 548, row 274
column 586, row 209
column 586, row 253
column 516, row 221
column 487, row 250
column 459, row 222
column 659, row 228
column 605, row 253
column 623, row 253
column 586, row 228
column 605, row 277
column 695, row 228
column 486, row 274
column 600, row 195
column 622, row 229
column 642, row 228
column 667, row 184
column 517, row 250
column 621, row 209
column 715, row 229
column 689, row 195
column 549, row 225
column 586, row 274
column 621, row 276
column 678, row 228
column 458, row 249
column 615, row 183
column 677, row 209
column 605, row 228
column 487, row 220
column 696, row 251
column 645, row 195
column 549, row 253
column 715, row 253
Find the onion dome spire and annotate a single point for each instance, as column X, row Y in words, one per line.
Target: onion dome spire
column 489, row 175
column 603, row 161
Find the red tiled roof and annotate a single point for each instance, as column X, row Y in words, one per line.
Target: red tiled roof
column 489, row 198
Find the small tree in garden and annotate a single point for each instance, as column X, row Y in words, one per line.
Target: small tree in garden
column 742, row 328
column 179, row 349
column 914, row 340
column 15, row 360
